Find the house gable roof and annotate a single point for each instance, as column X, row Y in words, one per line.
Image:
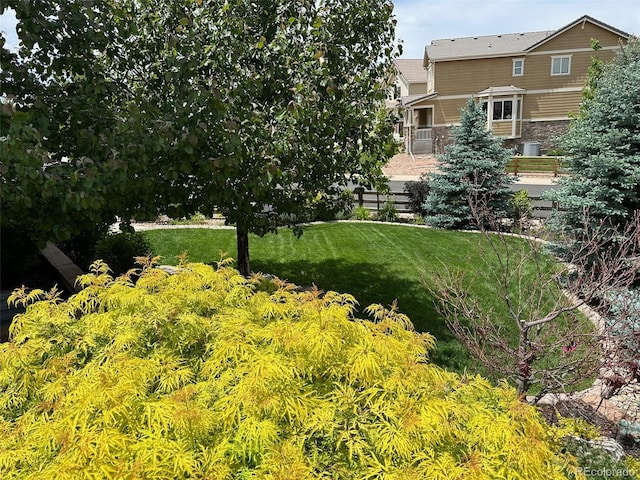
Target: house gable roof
column 510, row 44
column 581, row 20
column 412, row 70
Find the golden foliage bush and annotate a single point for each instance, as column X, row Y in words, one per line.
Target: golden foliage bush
column 205, row 374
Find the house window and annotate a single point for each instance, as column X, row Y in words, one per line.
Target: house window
column 502, row 109
column 425, row 118
column 518, row 67
column 561, row 65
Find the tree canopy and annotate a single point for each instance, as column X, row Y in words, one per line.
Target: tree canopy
column 472, row 175
column 59, row 121
column 207, row 374
column 251, row 107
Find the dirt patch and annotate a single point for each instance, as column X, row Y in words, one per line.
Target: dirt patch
column 416, row 165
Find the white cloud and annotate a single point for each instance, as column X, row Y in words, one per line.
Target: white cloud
column 420, row 21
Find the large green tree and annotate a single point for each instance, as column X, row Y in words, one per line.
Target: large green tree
column 603, row 150
column 472, row 182
column 253, row 108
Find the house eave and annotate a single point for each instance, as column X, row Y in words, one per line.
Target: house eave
column 478, row 57
column 418, row 99
column 501, row 91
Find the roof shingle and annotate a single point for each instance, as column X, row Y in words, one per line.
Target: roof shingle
column 411, row 69
column 484, row 46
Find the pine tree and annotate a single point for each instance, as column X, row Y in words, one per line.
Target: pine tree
column 603, row 150
column 472, row 175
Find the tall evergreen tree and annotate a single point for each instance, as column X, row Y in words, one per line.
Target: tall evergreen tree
column 603, row 150
column 472, row 175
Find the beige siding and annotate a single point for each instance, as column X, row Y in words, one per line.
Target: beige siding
column 467, row 77
column 580, row 37
column 547, row 96
column 550, row 105
column 502, row 129
column 418, row 88
column 538, row 72
column 447, row 112
column 535, row 107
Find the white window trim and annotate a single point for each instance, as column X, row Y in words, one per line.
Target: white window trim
column 513, row 71
column 560, row 57
column 502, row 100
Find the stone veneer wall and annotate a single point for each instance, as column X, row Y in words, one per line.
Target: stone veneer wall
column 546, row 133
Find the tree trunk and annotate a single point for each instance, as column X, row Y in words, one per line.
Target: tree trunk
column 522, row 385
column 242, row 241
column 523, row 379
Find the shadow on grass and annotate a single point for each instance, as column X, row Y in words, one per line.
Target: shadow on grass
column 371, row 283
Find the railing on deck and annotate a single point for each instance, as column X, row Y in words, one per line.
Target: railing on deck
column 423, row 134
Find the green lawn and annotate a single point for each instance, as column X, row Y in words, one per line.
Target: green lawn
column 377, row 263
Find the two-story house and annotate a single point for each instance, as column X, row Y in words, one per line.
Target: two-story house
column 530, row 82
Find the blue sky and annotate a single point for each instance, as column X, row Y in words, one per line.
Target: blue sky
column 420, row 21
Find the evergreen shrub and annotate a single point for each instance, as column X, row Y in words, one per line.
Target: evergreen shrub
column 201, row 374
column 623, row 321
column 602, row 149
column 417, row 191
column 471, row 189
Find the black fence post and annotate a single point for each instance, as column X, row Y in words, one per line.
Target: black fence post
column 359, row 191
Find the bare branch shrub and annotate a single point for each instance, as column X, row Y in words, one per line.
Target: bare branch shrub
column 530, row 329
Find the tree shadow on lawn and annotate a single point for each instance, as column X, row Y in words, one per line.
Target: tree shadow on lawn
column 370, row 283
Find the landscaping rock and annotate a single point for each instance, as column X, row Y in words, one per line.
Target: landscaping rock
column 604, row 406
column 170, row 269
column 610, row 445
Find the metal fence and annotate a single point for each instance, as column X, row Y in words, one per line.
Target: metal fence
column 374, row 201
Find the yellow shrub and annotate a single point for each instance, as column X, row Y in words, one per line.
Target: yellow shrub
column 202, row 374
